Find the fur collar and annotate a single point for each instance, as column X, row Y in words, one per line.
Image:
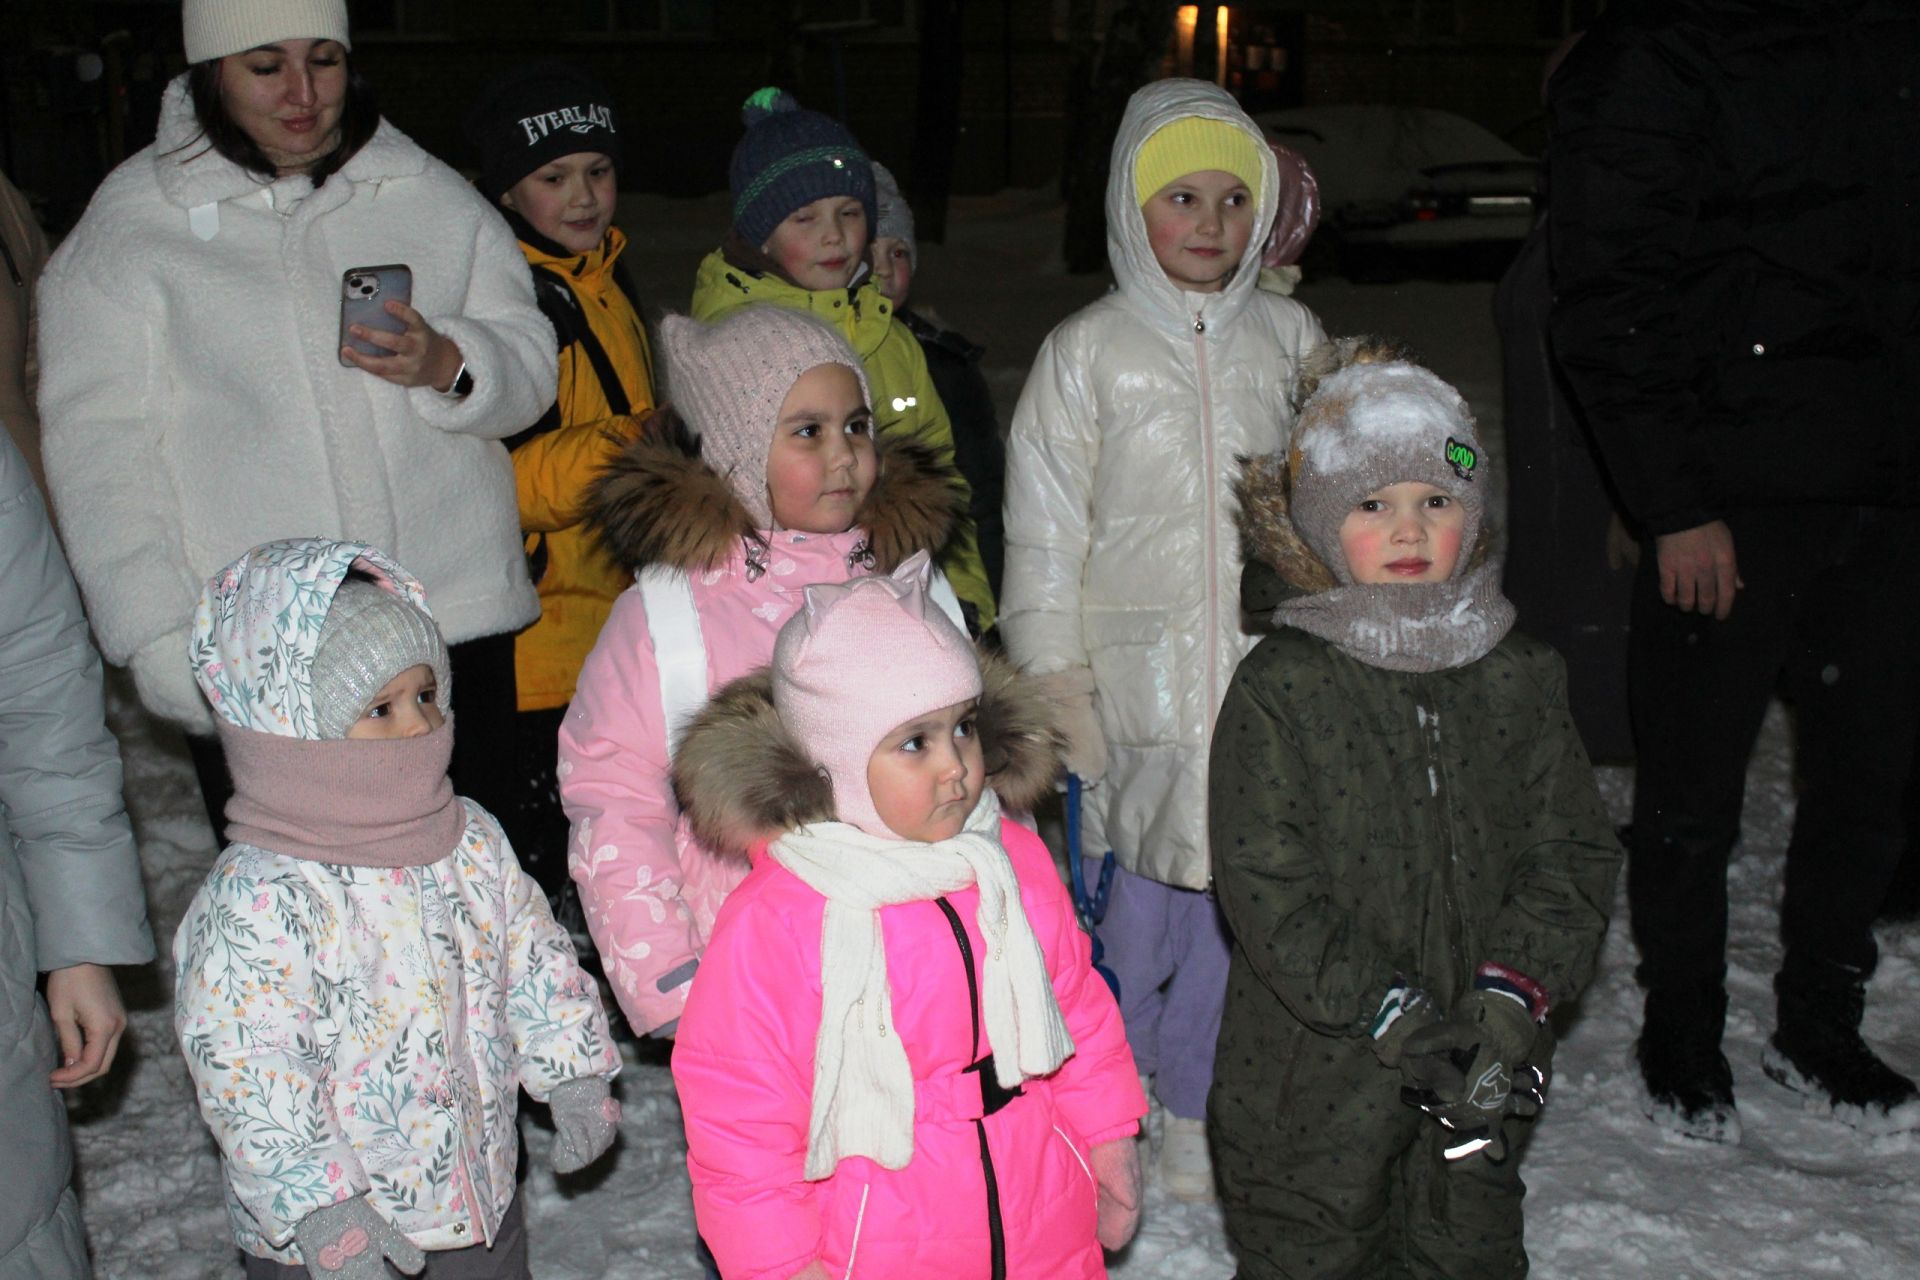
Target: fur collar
column 740, row 777
column 658, row 502
column 191, row 173
column 1266, row 527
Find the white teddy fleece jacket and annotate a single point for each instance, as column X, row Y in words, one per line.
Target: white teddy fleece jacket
column 194, row 404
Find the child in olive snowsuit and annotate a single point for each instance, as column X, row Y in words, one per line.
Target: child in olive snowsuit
column 1408, row 844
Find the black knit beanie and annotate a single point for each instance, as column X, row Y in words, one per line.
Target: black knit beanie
column 534, row 115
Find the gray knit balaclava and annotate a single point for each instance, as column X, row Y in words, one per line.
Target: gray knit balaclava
column 370, row 636
column 728, row 380
column 1373, row 425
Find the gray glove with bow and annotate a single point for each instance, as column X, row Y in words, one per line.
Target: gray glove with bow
column 585, row 1120
column 351, row 1241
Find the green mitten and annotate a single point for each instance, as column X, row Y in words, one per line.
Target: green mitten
column 1406, row 1009
column 1467, row 1070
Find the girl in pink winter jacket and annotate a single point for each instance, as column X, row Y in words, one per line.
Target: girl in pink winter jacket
column 785, row 486
column 898, row 1060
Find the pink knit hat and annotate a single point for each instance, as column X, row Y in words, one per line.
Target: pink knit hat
column 729, row 380
column 839, row 702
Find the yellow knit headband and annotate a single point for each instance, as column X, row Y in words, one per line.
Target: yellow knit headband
column 1195, row 144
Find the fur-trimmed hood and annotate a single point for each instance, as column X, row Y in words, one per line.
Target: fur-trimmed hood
column 1264, row 488
column 739, row 775
column 659, row 502
column 1266, row 527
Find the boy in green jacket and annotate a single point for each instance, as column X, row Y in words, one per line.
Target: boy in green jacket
column 1408, row 844
column 803, row 215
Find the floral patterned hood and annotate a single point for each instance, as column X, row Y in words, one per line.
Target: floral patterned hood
column 258, row 623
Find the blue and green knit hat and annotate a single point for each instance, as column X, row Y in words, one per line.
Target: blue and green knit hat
column 790, row 157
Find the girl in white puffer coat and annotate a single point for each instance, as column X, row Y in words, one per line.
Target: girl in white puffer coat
column 1123, row 563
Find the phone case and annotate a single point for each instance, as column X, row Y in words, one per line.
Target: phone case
column 364, row 291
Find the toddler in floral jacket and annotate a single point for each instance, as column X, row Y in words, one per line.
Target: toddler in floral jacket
column 367, row 978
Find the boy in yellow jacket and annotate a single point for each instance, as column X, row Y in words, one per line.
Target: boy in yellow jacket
column 550, row 144
column 803, row 213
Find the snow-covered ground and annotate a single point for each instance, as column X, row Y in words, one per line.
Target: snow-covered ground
column 1611, row 1199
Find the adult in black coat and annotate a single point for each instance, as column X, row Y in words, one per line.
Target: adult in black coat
column 1736, row 262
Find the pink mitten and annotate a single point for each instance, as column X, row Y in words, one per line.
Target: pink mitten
column 1116, row 1170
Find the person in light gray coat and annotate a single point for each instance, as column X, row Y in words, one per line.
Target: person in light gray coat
column 70, row 896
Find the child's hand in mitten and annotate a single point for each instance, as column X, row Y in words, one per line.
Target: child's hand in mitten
column 585, row 1118
column 1465, row 1070
column 1406, row 1009
column 351, row 1241
column 1116, row 1172
column 1070, row 692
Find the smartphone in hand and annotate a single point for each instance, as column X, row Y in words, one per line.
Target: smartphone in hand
column 364, row 293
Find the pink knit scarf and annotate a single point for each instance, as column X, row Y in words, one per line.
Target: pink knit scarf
column 346, row 802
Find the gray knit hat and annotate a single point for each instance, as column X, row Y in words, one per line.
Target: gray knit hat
column 370, row 636
column 728, row 381
column 896, row 216
column 1373, row 425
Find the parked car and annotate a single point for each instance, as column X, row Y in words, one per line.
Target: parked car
column 1411, row 188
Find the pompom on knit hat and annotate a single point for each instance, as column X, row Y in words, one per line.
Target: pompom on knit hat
column 832, row 699
column 1196, row 144
column 370, row 636
column 1377, row 424
column 534, row 115
column 216, row 28
column 896, row 216
column 728, row 380
column 790, row 157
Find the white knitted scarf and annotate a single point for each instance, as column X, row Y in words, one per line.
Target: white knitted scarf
column 862, row 1082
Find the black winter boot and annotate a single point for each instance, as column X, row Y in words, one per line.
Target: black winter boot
column 1817, row 1052
column 1689, row 1084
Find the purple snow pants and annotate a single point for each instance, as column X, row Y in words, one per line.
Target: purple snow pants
column 1169, row 948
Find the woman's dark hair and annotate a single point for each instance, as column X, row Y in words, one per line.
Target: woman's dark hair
column 359, row 117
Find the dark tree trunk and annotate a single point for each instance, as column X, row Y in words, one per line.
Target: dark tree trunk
column 1137, row 36
column 936, row 123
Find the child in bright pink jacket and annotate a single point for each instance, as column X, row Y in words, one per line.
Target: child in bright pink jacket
column 785, row 486
column 898, row 1060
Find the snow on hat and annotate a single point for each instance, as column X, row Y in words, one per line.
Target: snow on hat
column 1377, row 424
column 790, row 157
column 728, row 381
column 216, row 28
column 534, row 115
column 824, row 685
column 896, row 216
column 370, row 636
column 1196, row 144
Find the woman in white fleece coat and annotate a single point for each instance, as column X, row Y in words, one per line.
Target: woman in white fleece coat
column 193, row 398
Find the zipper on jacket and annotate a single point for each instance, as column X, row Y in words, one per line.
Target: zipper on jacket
column 1213, row 549
column 1429, row 721
column 996, row 1231
column 472, row 1197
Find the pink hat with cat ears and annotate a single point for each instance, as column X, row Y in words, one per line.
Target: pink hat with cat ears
column 859, row 660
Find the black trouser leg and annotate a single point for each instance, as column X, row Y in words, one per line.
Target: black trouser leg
column 216, row 784
column 1856, row 699
column 1699, row 691
column 485, row 706
column 535, row 823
